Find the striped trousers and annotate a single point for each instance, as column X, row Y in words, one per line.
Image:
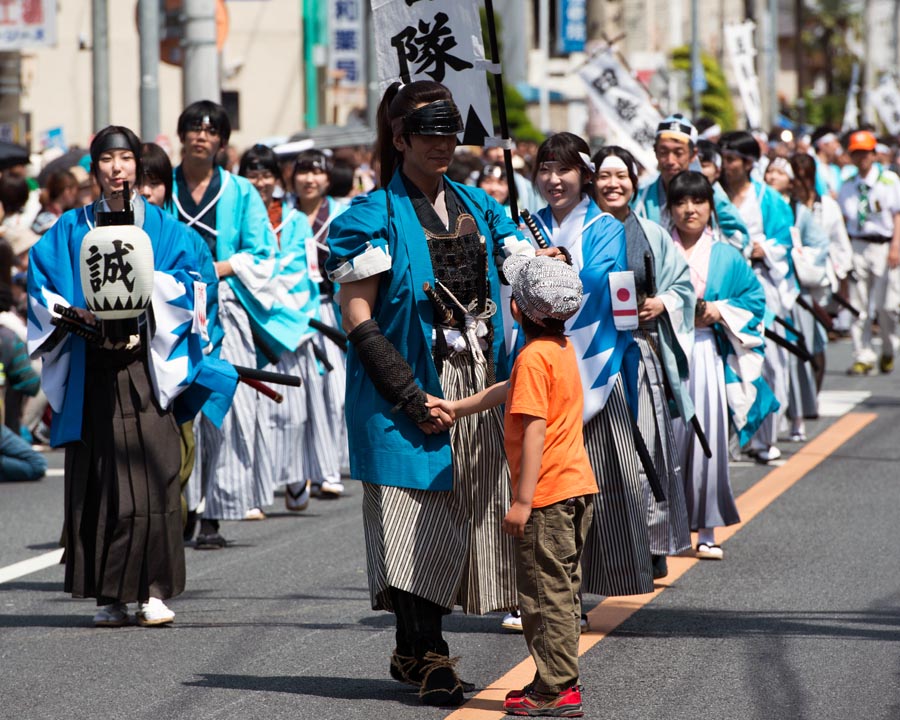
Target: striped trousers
column 616, row 558
column 235, row 455
column 666, row 520
column 448, row 547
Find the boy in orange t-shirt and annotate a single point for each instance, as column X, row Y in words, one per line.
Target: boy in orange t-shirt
column 551, row 478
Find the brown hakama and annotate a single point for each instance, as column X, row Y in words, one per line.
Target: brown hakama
column 123, row 513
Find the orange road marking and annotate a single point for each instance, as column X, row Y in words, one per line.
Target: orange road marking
column 612, row 612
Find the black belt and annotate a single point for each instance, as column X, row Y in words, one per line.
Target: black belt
column 879, row 239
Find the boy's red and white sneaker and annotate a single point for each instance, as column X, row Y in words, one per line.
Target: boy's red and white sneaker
column 529, row 703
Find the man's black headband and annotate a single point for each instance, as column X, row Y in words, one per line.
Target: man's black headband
column 438, row 118
column 113, row 141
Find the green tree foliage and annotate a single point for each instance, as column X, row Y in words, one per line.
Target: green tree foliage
column 715, row 101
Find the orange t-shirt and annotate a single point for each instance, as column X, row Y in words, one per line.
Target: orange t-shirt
column 545, row 383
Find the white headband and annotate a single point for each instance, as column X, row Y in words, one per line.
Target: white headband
column 827, row 137
column 614, row 162
column 711, row 132
column 586, row 159
column 780, row 163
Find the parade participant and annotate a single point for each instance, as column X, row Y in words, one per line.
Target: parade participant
column 410, row 344
column 839, row 264
column 492, row 179
column 710, row 158
column 229, row 215
column 676, row 151
column 617, row 558
column 60, row 194
column 310, row 182
column 726, row 362
column 810, row 256
column 828, row 173
column 293, row 300
column 123, row 516
column 157, row 182
column 665, row 338
column 551, row 476
column 871, row 206
column 768, row 219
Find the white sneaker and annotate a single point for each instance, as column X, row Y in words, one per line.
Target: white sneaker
column 296, row 496
column 154, row 612
column 331, row 489
column 768, row 455
column 710, row 551
column 512, row 621
column 115, row 615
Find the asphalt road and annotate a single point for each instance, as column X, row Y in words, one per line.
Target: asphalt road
column 801, row 620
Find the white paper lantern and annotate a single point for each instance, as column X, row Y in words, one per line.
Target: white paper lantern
column 117, row 271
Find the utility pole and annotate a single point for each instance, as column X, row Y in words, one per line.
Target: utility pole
column 868, row 63
column 201, row 56
column 148, row 26
column 772, row 64
column 100, row 63
column 544, row 50
column 696, row 67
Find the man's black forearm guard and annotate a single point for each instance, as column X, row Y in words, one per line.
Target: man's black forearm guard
column 388, row 370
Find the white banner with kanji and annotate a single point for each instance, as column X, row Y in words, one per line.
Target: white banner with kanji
column 886, row 100
column 741, row 50
column 27, row 23
column 624, row 104
column 436, row 40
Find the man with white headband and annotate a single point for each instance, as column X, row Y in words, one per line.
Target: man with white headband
column 827, row 148
column 676, row 151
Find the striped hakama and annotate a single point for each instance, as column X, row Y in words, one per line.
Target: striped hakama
column 322, row 460
column 666, row 520
column 334, row 384
column 122, row 489
column 448, row 547
column 236, row 456
column 802, row 395
column 710, row 501
column 616, row 559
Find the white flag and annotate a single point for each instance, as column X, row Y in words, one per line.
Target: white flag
column 624, row 104
column 886, row 100
column 440, row 41
column 742, row 51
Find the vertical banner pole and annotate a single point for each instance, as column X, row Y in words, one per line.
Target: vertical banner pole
column 501, row 111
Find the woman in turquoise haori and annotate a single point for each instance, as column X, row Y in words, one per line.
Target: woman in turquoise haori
column 726, row 383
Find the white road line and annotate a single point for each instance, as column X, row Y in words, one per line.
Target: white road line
column 836, row 403
column 32, row 565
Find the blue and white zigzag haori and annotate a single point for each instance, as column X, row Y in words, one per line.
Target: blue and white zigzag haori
column 181, row 372
column 596, row 242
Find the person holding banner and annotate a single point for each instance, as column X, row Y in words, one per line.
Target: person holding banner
column 871, row 206
column 726, row 361
column 665, row 337
column 420, row 300
column 617, row 558
column 676, row 151
column 768, row 218
column 114, row 404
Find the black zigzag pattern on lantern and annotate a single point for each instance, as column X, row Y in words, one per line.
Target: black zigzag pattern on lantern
column 129, row 304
